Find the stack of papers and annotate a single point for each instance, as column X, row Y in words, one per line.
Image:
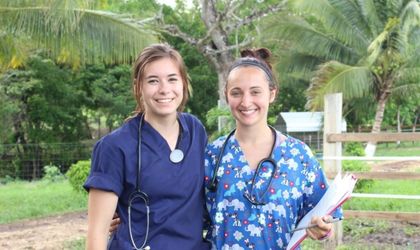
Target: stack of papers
column 337, row 193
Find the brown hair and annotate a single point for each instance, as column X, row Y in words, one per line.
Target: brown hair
column 148, row 55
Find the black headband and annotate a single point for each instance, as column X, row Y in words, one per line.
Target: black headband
column 253, row 62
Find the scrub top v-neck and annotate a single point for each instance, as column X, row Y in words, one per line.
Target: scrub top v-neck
column 175, row 190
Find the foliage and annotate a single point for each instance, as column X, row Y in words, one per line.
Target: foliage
column 363, row 49
column 68, row 31
column 52, row 174
column 356, row 149
column 24, row 200
column 47, row 103
column 78, row 174
column 44, row 105
column 107, row 92
column 6, row 179
column 212, row 118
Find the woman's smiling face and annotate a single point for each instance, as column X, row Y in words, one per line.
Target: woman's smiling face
column 248, row 95
column 162, row 87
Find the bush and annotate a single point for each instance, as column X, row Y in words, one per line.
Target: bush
column 78, row 174
column 6, row 179
column 52, row 173
column 356, row 149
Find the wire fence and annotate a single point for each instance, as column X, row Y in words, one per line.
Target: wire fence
column 26, row 161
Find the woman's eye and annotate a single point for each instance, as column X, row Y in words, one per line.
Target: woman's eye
column 153, row 82
column 173, row 80
column 235, row 94
column 255, row 92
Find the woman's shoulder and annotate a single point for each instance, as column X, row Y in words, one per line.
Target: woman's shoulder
column 293, row 143
column 190, row 118
column 216, row 144
column 122, row 134
column 192, row 123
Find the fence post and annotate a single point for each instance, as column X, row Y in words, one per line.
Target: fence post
column 332, row 124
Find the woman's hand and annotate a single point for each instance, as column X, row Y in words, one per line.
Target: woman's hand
column 114, row 223
column 323, row 230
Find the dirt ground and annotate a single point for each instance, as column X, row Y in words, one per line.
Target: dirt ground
column 48, row 233
column 54, row 232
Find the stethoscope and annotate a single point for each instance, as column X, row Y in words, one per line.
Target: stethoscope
column 248, row 195
column 176, row 156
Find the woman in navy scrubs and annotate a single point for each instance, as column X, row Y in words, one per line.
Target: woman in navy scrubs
column 172, row 182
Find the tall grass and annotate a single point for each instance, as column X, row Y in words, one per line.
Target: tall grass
column 22, row 200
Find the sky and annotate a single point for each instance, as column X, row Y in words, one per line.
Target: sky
column 172, row 2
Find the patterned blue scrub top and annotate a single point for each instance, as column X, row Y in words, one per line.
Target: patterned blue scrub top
column 296, row 188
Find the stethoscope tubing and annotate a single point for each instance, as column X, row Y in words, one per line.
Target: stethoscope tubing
column 213, row 183
column 142, row 195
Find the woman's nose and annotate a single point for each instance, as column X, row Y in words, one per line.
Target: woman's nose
column 164, row 86
column 245, row 99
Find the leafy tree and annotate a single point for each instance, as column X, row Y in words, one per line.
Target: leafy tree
column 46, row 108
column 362, row 48
column 108, row 92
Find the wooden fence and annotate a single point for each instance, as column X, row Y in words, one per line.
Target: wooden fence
column 332, row 157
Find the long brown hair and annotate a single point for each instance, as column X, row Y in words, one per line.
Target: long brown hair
column 148, row 55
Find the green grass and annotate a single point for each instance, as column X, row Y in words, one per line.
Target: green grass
column 404, row 149
column 23, row 200
column 75, row 245
column 403, row 187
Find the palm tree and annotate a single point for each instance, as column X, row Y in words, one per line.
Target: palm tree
column 69, row 30
column 362, row 48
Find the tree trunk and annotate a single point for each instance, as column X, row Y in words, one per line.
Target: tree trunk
column 398, row 123
column 379, row 116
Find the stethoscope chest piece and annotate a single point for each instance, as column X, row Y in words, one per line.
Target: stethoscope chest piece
column 176, row 156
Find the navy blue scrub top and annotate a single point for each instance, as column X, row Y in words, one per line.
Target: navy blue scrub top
column 175, row 190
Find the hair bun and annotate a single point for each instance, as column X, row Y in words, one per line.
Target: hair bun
column 263, row 53
column 247, row 53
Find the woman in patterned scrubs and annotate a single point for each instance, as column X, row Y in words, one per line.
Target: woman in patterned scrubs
column 265, row 220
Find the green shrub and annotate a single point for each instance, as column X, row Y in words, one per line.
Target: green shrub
column 6, row 179
column 78, row 174
column 356, row 149
column 52, row 174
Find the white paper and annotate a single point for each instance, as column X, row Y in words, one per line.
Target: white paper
column 337, row 193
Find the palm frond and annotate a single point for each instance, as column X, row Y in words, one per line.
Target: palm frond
column 410, row 17
column 306, row 39
column 393, row 7
column 334, row 22
column 407, row 90
column 371, row 16
column 333, row 77
column 351, row 11
column 77, row 35
column 408, row 76
column 298, row 65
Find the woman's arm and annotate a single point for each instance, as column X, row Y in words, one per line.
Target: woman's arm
column 101, row 207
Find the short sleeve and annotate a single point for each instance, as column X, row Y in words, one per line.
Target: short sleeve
column 106, row 169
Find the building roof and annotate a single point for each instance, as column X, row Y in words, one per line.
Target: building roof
column 302, row 122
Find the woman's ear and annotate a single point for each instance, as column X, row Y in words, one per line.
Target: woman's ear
column 273, row 93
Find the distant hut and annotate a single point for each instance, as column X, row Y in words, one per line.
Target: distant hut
column 306, row 126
